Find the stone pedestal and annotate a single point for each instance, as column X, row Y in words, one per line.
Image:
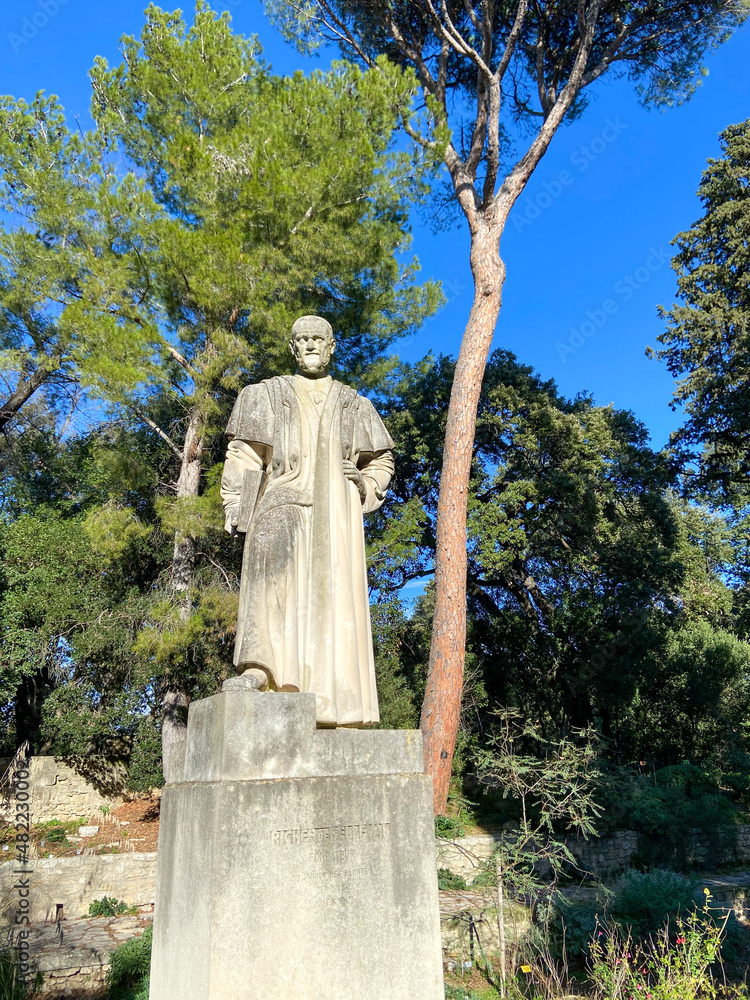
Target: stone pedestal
column 295, row 863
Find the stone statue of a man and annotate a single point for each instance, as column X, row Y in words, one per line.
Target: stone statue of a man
column 307, row 457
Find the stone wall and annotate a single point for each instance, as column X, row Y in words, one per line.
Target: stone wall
column 68, row 788
column 76, row 882
column 606, row 856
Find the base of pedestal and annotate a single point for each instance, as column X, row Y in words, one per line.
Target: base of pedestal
column 319, row 887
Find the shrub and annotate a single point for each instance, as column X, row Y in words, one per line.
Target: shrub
column 571, row 926
column 464, row 993
column 642, row 902
column 675, row 965
column 127, row 978
column 447, row 880
column 663, row 808
column 108, row 906
column 448, row 828
column 56, row 835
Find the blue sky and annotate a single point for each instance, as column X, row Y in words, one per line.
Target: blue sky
column 587, row 246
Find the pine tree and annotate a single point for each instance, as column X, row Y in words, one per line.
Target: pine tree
column 266, row 198
column 707, row 340
column 483, row 68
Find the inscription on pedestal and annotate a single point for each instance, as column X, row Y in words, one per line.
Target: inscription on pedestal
column 338, row 832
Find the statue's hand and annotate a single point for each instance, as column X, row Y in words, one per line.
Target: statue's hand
column 352, row 472
column 230, row 523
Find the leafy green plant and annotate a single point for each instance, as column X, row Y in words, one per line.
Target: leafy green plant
column 108, row 906
column 676, row 965
column 449, row 880
column 554, row 785
column 127, row 978
column 571, row 925
column 144, row 768
column 448, row 828
column 664, row 807
column 642, row 902
column 56, row 835
column 463, row 993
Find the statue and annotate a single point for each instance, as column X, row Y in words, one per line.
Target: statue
column 307, row 458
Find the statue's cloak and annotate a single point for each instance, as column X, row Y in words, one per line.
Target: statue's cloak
column 304, row 610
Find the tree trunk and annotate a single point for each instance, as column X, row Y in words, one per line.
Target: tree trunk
column 176, row 699
column 31, row 694
column 442, row 702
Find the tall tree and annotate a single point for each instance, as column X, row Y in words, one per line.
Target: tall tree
column 251, row 199
column 707, row 340
column 483, row 68
column 280, row 196
column 71, row 237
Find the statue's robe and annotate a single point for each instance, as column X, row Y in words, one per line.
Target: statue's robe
column 304, row 612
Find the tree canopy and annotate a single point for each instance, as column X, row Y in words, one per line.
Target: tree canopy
column 497, row 82
column 707, row 339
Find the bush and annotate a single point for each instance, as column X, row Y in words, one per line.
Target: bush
column 108, row 906
column 571, row 927
column 56, row 835
column 448, row 828
column 464, row 993
column 642, row 902
column 447, row 880
column 127, row 978
column 674, row 965
column 663, row 808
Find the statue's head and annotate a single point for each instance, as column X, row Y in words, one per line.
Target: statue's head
column 312, row 345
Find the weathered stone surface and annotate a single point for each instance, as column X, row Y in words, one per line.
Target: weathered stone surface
column 70, row 789
column 307, row 457
column 74, row 955
column 74, row 883
column 313, row 887
column 469, row 924
column 246, row 735
column 88, row 831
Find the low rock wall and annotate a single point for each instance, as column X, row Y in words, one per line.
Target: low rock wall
column 74, row 883
column 65, row 789
column 605, row 856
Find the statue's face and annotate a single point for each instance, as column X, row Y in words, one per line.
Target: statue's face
column 312, row 351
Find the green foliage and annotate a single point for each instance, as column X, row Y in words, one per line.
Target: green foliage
column 663, row 807
column 449, row 880
column 642, row 902
column 554, row 786
column 11, row 987
column 56, row 835
column 108, row 906
column 72, row 258
column 158, row 262
column 464, row 993
column 675, row 965
column 662, row 49
column 571, row 926
column 127, row 978
column 259, row 222
column 144, row 766
column 448, row 828
column 399, row 708
column 707, row 340
column 597, row 595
